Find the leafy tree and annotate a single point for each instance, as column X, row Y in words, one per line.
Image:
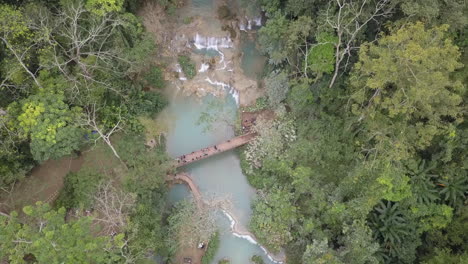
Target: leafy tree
column 431, row 216
column 321, row 57
column 277, row 85
column 44, row 237
column 188, row 67
column 444, row 256
column 79, row 189
column 395, row 233
column 146, row 179
column 449, row 242
column 454, row 190
column 155, row 77
column 389, row 223
column 256, row 259
column 272, row 39
column 402, row 88
column 273, row 217
column 422, row 186
column 102, row 7
column 49, row 123
column 437, row 12
column 273, row 138
column 358, row 245
column 320, row 253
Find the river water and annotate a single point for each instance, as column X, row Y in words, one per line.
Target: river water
column 220, row 175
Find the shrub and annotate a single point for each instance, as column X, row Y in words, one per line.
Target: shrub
column 154, row 77
column 147, row 103
column 212, row 249
column 188, row 20
column 225, row 13
column 256, row 259
column 78, row 189
column 224, row 261
column 260, row 104
column 188, row 67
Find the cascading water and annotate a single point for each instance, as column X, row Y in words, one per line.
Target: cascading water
column 204, row 67
column 220, row 174
column 233, row 92
column 251, row 22
column 202, row 42
column 178, row 69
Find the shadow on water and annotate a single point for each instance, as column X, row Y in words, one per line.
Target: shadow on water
column 253, row 61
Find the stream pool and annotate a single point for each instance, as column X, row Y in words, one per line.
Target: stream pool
column 220, row 175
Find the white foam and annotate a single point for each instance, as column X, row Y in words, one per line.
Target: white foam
column 242, row 26
column 215, row 43
column 256, row 21
column 233, row 92
column 248, row 237
column 204, row 67
column 225, row 65
column 231, row 220
column 221, row 54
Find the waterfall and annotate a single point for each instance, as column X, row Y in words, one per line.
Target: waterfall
column 249, row 24
column 204, row 67
column 215, row 43
column 233, row 92
column 242, row 26
column 178, row 68
column 256, row 21
column 181, row 74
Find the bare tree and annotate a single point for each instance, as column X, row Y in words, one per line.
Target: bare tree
column 194, row 224
column 90, row 120
column 112, row 207
column 348, row 18
column 81, row 40
column 20, row 58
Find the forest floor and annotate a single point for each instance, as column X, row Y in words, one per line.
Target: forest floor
column 43, row 184
column 194, row 253
column 46, row 180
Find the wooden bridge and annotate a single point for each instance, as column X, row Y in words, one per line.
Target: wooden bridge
column 213, row 150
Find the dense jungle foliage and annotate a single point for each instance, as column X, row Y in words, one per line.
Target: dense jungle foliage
column 367, row 161
column 73, row 74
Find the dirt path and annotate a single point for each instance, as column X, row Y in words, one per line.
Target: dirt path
column 213, row 150
column 185, row 178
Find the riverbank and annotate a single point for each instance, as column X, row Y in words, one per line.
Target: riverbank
column 237, row 229
column 196, row 32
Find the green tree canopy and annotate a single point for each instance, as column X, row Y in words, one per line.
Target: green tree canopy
column 43, row 236
column 403, row 90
